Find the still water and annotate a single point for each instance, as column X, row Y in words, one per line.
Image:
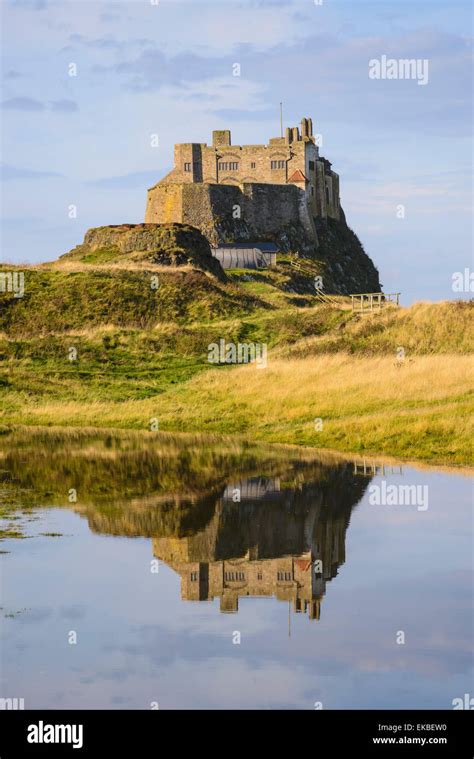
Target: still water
column 187, row 572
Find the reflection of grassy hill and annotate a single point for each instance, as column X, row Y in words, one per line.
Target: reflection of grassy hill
column 143, row 484
column 142, row 354
column 122, row 467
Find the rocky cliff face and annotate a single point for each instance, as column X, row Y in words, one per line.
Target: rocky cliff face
column 348, row 267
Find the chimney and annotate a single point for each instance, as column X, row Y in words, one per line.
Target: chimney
column 304, row 128
column 310, row 127
column 287, row 135
column 295, row 134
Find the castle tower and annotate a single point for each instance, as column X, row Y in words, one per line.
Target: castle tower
column 220, row 138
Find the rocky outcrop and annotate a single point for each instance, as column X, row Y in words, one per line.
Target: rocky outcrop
column 162, row 244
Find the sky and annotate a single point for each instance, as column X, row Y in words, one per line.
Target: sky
column 87, row 85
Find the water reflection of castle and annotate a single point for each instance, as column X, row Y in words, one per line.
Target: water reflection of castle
column 285, row 543
column 278, row 532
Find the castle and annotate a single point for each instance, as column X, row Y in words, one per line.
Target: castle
column 225, row 206
column 243, row 192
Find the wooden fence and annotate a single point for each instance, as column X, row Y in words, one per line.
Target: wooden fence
column 371, row 301
column 359, row 302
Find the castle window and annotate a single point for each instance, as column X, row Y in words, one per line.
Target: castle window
column 187, row 167
column 259, row 576
column 312, row 191
column 232, row 576
column 311, row 165
column 228, row 166
column 327, row 196
column 253, row 165
column 277, row 164
column 194, row 576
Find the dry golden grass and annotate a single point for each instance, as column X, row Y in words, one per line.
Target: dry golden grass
column 423, row 328
column 344, row 372
column 128, row 265
column 421, row 408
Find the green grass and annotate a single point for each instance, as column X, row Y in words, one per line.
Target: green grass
column 60, row 301
column 10, row 533
column 143, row 354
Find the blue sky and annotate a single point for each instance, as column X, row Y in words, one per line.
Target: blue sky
column 167, row 69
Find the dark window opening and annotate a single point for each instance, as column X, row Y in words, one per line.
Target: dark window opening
column 230, row 576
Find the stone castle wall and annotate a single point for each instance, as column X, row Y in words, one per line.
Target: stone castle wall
column 166, row 206
column 227, row 212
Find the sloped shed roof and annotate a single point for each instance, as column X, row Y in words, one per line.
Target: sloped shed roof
column 265, row 247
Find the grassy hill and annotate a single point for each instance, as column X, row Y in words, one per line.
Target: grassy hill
column 138, row 324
